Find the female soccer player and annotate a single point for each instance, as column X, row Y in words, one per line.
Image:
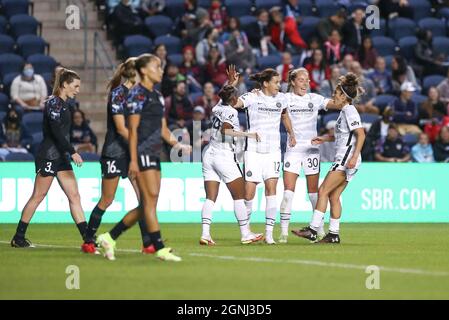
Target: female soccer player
column 52, row 159
column 262, row 159
column 347, row 160
column 115, row 155
column 219, row 164
column 146, row 127
column 303, row 110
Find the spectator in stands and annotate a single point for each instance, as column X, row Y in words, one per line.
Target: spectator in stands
column 346, row 64
column 208, row 100
column 441, row 146
column 318, row 70
column 233, row 25
column 28, row 90
column 377, row 133
column 178, row 107
column 198, row 129
column 422, row 151
column 111, row 4
column 366, row 100
column 393, row 8
column 203, row 47
column 393, row 148
column 239, row 53
column 381, row 77
column 284, row 33
column 259, row 34
column 292, row 9
column 284, row 68
column 431, row 64
column 161, row 51
column 126, row 20
column 334, row 48
column 152, row 7
column 327, row 149
column 170, row 80
column 14, row 137
column 328, row 86
column 191, row 70
column 433, row 107
column 193, row 26
column 354, row 31
column 367, row 54
column 326, row 25
column 443, row 89
column 306, row 55
column 401, row 73
column 216, row 67
column 217, row 15
column 406, row 110
column 82, row 137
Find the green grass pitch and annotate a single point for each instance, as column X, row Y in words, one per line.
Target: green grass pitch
column 413, row 261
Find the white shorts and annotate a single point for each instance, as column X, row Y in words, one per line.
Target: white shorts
column 308, row 160
column 220, row 165
column 261, row 166
column 350, row 173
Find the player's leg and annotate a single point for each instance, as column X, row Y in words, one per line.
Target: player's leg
column 290, row 179
column 334, row 224
column 212, row 188
column 41, row 186
column 67, row 181
column 312, row 190
column 250, row 193
column 270, row 209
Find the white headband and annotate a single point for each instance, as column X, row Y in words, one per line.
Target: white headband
column 343, row 90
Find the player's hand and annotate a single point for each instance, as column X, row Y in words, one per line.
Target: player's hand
column 292, row 141
column 233, row 75
column 352, row 163
column 318, row 140
column 256, row 136
column 256, row 91
column 133, row 170
column 77, row 159
column 185, row 148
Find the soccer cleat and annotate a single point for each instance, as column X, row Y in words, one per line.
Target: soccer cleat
column 251, row 238
column 166, row 254
column 149, row 250
column 21, row 243
column 207, row 241
column 108, row 245
column 307, row 233
column 269, row 240
column 330, row 238
column 283, row 238
column 89, row 247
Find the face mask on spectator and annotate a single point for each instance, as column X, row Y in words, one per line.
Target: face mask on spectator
column 28, row 72
column 13, row 119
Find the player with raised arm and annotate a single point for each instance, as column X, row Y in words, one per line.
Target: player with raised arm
column 146, row 126
column 262, row 159
column 53, row 156
column 349, row 138
column 115, row 155
column 303, row 108
column 220, row 164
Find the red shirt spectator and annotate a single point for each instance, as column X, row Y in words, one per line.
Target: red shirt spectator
column 216, row 67
column 318, row 70
column 285, row 30
column 217, row 15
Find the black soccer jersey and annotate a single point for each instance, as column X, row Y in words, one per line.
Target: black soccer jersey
column 150, row 106
column 115, row 146
column 56, row 130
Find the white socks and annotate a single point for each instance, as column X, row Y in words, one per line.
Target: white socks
column 317, row 220
column 286, row 209
column 270, row 216
column 206, row 217
column 242, row 216
column 249, row 209
column 313, row 197
column 334, row 226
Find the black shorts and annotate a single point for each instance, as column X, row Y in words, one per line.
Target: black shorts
column 47, row 168
column 147, row 162
column 114, row 167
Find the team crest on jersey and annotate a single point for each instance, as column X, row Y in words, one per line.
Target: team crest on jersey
column 287, row 164
column 278, row 104
column 310, row 105
column 249, row 173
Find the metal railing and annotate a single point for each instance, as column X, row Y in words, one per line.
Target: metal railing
column 99, row 53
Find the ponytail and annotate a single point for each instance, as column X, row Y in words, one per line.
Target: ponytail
column 261, row 77
column 125, row 70
column 63, row 75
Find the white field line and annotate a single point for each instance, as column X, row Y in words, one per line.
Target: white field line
column 281, row 261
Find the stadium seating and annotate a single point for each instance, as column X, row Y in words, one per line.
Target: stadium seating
column 89, row 156
column 9, row 63
column 31, row 44
column 4, row 102
column 7, row 81
column 306, row 7
column 432, row 81
column 176, row 58
column 22, row 24
column 136, row 45
column 401, row 27
column 383, row 100
column 172, row 43
column 267, row 4
column 246, row 21
column 419, row 98
column 13, row 7
column 329, row 117
column 42, row 63
column 37, row 139
column 7, row 44
column 384, row 45
column 307, row 29
column 407, row 46
column 19, row 156
column 159, row 25
column 421, row 9
column 382, row 31
column 410, row 139
column 175, row 8
column 33, row 121
column 3, row 24
column 326, row 8
column 441, row 45
column 2, row 115
column 369, row 118
column 437, row 26
column 242, row 119
column 238, row 8
column 443, row 13
column 270, row 61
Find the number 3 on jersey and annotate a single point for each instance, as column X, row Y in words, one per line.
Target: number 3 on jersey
column 313, row 162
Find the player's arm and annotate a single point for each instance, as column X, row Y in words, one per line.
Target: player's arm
column 133, row 123
column 331, row 105
column 322, row 139
column 288, row 126
column 119, row 122
column 168, row 137
column 228, row 130
column 360, row 140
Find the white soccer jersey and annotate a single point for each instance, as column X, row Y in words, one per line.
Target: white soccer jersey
column 347, row 122
column 303, row 112
column 223, row 114
column 263, row 115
